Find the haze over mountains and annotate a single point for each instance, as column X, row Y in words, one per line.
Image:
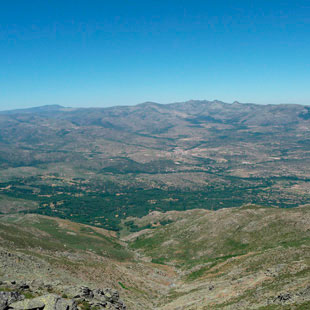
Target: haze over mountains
column 99, row 166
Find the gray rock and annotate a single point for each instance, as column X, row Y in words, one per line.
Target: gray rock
column 97, row 298
column 28, row 304
column 98, row 294
column 65, row 304
column 283, row 297
column 120, row 305
column 98, row 303
column 23, row 286
column 7, row 298
column 46, row 302
column 111, row 295
column 108, row 305
column 3, row 303
column 85, row 292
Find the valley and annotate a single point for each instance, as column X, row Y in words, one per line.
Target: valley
column 187, row 206
column 99, row 166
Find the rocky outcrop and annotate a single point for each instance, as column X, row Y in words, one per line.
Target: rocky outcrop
column 7, row 298
column 100, row 298
column 83, row 298
column 46, row 302
column 292, row 297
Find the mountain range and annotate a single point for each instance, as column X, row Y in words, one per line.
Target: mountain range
column 187, row 206
column 100, row 165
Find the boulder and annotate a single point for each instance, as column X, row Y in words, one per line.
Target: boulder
column 7, row 298
column 65, row 304
column 28, row 304
column 23, row 286
column 283, row 297
column 111, row 295
column 95, row 298
column 84, row 292
column 98, row 294
column 46, row 302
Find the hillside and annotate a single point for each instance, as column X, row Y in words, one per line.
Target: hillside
column 243, row 258
column 58, row 256
column 248, row 257
column 100, row 165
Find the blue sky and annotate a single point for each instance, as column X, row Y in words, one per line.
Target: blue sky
column 105, row 53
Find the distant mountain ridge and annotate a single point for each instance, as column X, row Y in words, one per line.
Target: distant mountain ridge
column 44, row 108
column 192, row 102
column 247, row 113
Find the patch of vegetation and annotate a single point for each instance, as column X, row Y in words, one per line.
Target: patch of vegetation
column 123, row 286
column 213, row 262
column 160, row 260
column 29, row 295
column 87, row 204
column 6, row 289
column 84, row 305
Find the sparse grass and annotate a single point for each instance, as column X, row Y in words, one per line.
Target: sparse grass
column 84, row 305
column 302, row 306
column 29, row 295
column 6, row 289
column 13, row 205
column 61, row 239
column 187, row 247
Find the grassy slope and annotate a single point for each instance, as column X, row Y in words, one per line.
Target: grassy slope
column 11, row 205
column 205, row 235
column 53, row 249
column 59, row 235
column 249, row 254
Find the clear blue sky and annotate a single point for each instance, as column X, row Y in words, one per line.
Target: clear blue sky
column 104, row 53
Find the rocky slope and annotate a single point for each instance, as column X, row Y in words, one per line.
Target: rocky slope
column 24, row 296
column 61, row 254
column 245, row 258
column 250, row 257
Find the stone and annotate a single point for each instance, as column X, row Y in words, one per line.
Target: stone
column 211, row 287
column 7, row 298
column 46, row 302
column 98, row 293
column 65, row 304
column 115, row 296
column 3, row 303
column 283, row 297
column 28, row 304
column 120, row 305
column 85, row 292
column 24, row 286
